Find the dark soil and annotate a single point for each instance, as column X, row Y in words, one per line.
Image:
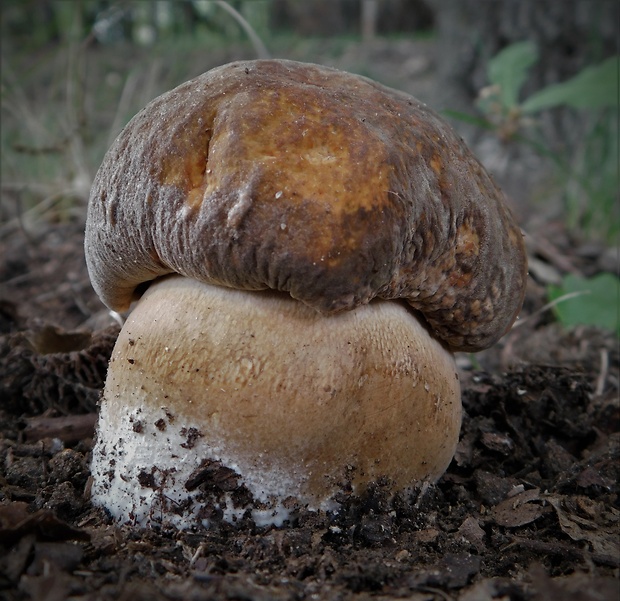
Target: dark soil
column 528, row 510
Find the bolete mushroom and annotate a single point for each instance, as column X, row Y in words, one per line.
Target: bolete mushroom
column 307, row 248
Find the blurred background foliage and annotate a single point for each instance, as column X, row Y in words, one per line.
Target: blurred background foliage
column 75, row 71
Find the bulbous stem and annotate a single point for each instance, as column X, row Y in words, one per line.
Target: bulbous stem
column 292, row 405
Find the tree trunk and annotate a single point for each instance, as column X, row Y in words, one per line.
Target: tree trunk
column 569, row 34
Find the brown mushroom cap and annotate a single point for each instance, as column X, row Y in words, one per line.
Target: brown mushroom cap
column 280, row 175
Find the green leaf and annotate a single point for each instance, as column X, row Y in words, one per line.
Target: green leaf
column 594, row 301
column 594, row 87
column 466, row 118
column 508, row 70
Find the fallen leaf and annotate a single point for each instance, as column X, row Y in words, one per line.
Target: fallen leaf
column 471, row 531
column 601, row 533
column 519, row 510
column 16, row 521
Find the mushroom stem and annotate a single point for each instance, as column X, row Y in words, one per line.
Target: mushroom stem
column 218, row 401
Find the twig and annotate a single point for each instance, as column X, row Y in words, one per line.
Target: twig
column 198, row 554
column 602, row 376
column 259, row 47
column 19, row 104
column 547, row 250
column 21, row 278
column 557, row 548
column 550, row 305
column 39, row 209
column 123, row 104
column 74, row 99
column 19, row 186
column 434, row 591
column 69, row 428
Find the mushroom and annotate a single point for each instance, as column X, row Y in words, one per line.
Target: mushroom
column 307, row 249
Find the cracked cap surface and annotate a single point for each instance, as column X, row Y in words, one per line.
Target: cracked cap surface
column 280, row 175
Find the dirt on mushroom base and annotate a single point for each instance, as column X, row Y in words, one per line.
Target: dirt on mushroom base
column 528, row 509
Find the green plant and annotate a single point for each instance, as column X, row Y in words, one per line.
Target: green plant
column 589, row 174
column 587, row 301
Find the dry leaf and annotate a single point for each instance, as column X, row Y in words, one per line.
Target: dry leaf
column 519, row 510
column 601, row 532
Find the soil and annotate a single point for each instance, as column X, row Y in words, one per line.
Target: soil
column 528, row 509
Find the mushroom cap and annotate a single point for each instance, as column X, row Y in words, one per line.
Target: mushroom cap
column 264, row 394
column 295, row 177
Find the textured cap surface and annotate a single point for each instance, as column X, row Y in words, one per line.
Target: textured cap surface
column 301, row 178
